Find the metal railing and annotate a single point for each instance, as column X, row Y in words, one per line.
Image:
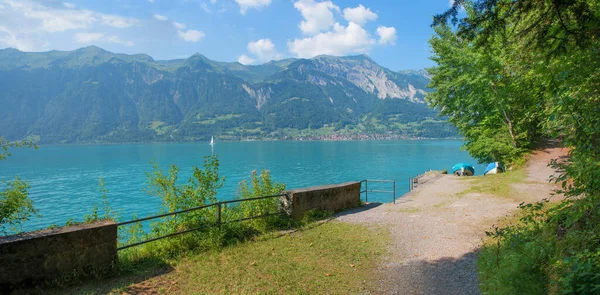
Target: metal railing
column 219, row 212
column 217, row 223
column 367, row 190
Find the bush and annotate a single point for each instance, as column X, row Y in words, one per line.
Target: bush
column 201, row 189
column 108, row 213
column 552, row 250
column 15, row 206
column 261, row 185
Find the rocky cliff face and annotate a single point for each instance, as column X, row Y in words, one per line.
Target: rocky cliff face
column 369, row 76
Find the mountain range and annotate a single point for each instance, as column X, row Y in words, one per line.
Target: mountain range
column 92, row 95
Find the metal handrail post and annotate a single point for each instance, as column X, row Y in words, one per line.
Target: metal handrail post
column 366, row 191
column 394, row 196
column 219, row 214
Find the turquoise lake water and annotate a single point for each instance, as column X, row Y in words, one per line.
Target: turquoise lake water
column 64, row 178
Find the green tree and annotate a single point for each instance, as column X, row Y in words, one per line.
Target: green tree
column 553, row 46
column 490, row 100
column 6, row 145
column 15, row 205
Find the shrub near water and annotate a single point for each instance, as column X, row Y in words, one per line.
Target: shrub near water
column 201, row 189
column 261, row 185
column 16, row 207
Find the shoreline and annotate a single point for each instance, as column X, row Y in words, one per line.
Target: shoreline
column 257, row 140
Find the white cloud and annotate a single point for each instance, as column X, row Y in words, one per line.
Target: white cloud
column 179, row 26
column 117, row 21
column 264, row 50
column 151, row 1
column 87, row 37
column 213, row 1
column 247, row 4
column 32, row 25
column 53, row 20
column 59, row 20
column 205, row 7
column 340, row 41
column 245, row 60
column 318, row 16
column 115, row 39
column 19, row 41
column 159, row 17
column 387, row 35
column 190, row 35
column 359, row 14
column 186, row 35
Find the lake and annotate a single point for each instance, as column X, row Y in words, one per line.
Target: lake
column 64, row 178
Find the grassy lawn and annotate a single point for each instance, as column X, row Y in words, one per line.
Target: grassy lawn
column 332, row 258
column 499, row 185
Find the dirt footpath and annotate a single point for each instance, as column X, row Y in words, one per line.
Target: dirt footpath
column 437, row 229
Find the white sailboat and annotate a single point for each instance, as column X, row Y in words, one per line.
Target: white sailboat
column 212, row 141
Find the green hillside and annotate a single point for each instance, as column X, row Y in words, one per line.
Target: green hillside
column 92, row 95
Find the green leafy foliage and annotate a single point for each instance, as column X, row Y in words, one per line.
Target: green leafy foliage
column 5, row 145
column 490, row 100
column 206, row 231
column 260, row 186
column 548, row 51
column 200, row 189
column 551, row 250
column 15, row 206
column 107, row 213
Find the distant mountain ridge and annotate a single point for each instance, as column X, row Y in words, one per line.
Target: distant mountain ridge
column 92, row 95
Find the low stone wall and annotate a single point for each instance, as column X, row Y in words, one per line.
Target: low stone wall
column 40, row 256
column 329, row 197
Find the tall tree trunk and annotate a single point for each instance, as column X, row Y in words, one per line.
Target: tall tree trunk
column 508, row 121
column 510, row 127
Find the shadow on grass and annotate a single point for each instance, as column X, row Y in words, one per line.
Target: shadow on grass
column 119, row 280
column 441, row 276
column 365, row 207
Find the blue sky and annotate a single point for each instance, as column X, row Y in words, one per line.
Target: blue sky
column 393, row 32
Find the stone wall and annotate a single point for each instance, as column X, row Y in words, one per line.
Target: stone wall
column 329, row 197
column 40, row 256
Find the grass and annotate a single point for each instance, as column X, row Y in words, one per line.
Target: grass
column 517, row 260
column 159, row 127
column 211, row 121
column 498, row 185
column 333, row 258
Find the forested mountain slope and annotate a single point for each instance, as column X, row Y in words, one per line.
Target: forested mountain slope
column 92, row 95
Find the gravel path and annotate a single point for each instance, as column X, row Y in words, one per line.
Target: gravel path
column 436, row 231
